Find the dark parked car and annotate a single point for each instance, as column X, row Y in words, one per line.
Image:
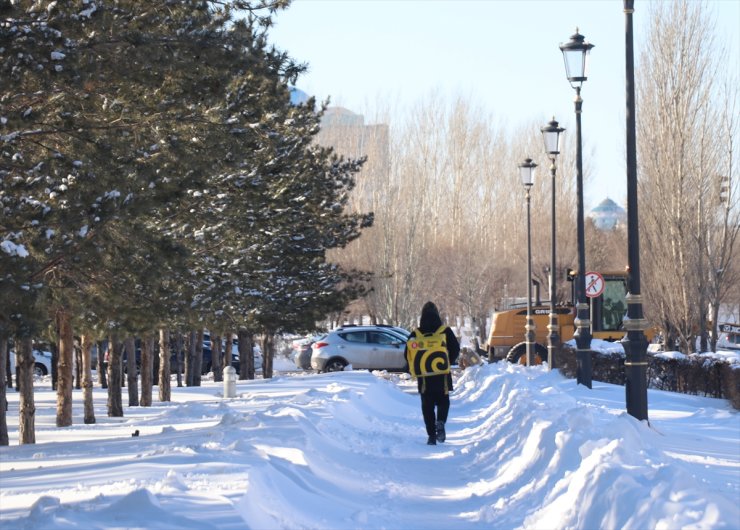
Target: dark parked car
column 207, row 362
column 206, row 366
column 302, row 352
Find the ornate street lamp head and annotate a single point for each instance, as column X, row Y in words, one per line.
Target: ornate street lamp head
column 551, row 133
column 526, row 172
column 575, row 56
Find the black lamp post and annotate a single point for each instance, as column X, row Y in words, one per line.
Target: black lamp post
column 526, row 172
column 634, row 343
column 575, row 56
column 551, row 134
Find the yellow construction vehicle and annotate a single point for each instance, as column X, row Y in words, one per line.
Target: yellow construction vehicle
column 608, row 309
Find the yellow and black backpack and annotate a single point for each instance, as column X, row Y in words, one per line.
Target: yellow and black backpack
column 427, row 354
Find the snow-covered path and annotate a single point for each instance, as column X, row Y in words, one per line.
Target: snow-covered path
column 525, row 448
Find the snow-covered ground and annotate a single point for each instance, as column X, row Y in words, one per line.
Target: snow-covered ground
column 526, row 448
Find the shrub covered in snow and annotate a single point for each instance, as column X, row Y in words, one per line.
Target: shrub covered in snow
column 703, row 374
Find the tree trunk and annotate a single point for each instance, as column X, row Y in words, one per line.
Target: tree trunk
column 190, row 358
column 164, row 365
column 24, row 377
column 54, row 365
column 715, row 330
column 147, row 370
column 268, row 354
column 198, row 358
column 216, row 358
column 4, row 440
column 65, row 341
column 246, row 355
column 102, row 376
column 180, row 340
column 179, row 357
column 86, row 343
column 115, row 377
column 228, row 349
column 8, row 374
column 131, row 375
column 77, row 365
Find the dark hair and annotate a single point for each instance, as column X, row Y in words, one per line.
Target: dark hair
column 430, row 319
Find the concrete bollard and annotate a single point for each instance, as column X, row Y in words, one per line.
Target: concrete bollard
column 229, row 382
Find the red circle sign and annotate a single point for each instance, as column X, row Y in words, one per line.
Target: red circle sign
column 594, row 284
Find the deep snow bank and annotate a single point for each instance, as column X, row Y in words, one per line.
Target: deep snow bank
column 525, row 448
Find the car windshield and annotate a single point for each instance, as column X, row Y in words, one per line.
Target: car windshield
column 400, row 335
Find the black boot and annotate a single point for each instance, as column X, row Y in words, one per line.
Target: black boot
column 441, row 435
column 432, row 440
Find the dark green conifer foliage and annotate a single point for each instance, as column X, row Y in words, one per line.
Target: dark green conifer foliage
column 155, row 172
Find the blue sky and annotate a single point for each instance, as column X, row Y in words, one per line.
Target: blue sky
column 503, row 54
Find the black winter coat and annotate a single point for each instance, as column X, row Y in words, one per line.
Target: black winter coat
column 438, row 384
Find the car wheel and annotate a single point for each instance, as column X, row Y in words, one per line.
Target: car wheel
column 39, row 370
column 335, row 365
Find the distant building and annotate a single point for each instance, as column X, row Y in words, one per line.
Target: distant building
column 341, row 117
column 608, row 215
column 347, row 133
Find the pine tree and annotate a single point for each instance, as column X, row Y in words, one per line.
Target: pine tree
column 155, row 173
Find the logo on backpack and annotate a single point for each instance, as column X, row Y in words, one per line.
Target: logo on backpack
column 427, row 354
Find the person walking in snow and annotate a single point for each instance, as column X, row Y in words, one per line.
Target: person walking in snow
column 431, row 349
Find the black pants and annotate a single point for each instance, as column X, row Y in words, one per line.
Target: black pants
column 428, row 402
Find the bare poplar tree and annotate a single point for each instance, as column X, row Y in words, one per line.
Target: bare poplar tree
column 721, row 245
column 442, row 182
column 680, row 158
column 606, row 250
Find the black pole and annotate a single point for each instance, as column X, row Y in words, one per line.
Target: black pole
column 553, row 339
column 529, row 335
column 582, row 321
column 634, row 343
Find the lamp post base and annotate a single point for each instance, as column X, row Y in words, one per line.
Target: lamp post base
column 583, row 346
column 635, row 346
column 553, row 341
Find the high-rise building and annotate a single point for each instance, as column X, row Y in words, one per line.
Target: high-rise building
column 347, row 133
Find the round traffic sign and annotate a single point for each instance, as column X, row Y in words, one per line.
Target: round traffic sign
column 594, row 284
